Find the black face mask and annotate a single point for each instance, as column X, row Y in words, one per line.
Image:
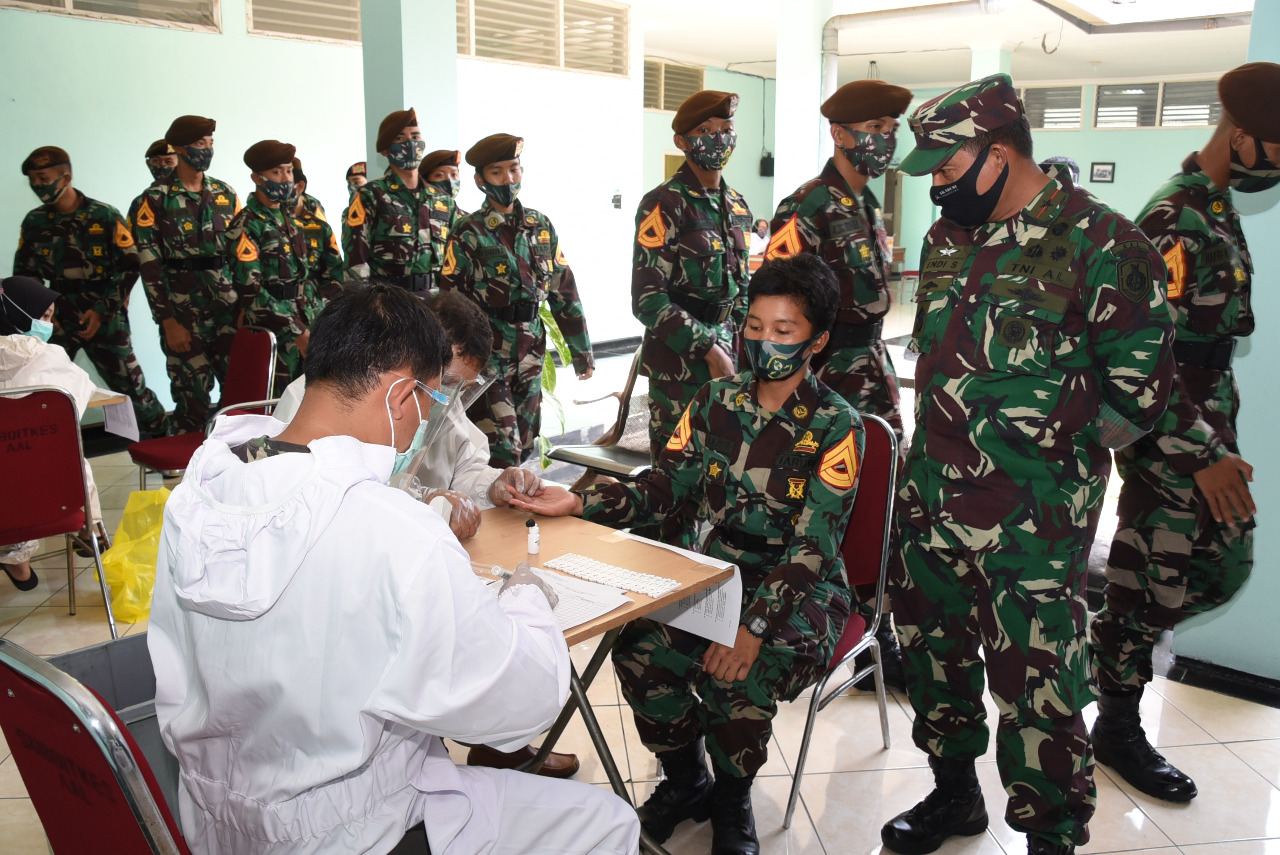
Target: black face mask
column 960, row 201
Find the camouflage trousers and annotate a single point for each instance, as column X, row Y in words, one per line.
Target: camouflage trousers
column 509, row 412
column 225, row 324
column 1169, row 558
column 111, row 352
column 866, row 379
column 191, row 373
column 674, row 701
column 1026, row 613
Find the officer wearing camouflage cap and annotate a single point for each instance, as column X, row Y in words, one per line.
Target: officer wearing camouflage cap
column 507, row 258
column 1044, row 340
column 397, row 225
column 1185, row 540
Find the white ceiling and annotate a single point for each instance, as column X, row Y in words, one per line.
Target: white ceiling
column 932, row 46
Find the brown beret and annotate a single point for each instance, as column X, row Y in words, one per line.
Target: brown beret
column 298, row 174
column 159, row 148
column 494, row 148
column 1250, row 96
column 44, row 157
column 268, row 154
column 394, row 124
column 356, row 169
column 864, row 100
column 443, row 157
column 703, row 105
column 188, row 129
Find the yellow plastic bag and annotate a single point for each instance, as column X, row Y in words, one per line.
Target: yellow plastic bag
column 130, row 563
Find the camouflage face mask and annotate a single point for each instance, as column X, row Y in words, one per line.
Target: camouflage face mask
column 277, row 191
column 448, row 186
column 51, row 192
column 198, row 158
column 159, row 171
column 870, row 153
column 771, row 360
column 406, row 154
column 1263, row 175
column 711, row 151
column 501, row 194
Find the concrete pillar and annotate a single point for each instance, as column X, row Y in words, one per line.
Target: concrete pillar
column 410, row 60
column 986, row 58
column 799, row 129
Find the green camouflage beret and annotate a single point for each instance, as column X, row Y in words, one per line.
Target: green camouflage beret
column 44, row 157
column 942, row 124
column 188, row 129
column 268, row 154
column 1250, row 96
column 494, row 148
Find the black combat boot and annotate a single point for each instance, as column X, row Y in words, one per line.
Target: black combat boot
column 1037, row 845
column 733, row 824
column 890, row 660
column 1119, row 742
column 684, row 792
column 954, row 807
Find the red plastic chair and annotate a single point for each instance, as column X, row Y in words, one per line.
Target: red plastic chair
column 90, row 784
column 251, row 372
column 865, row 550
column 42, row 490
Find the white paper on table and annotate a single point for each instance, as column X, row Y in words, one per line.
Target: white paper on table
column 120, row 418
column 581, row 601
column 713, row 613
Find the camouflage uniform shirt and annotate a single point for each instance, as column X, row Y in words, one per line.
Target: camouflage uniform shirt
column 390, row 230
column 690, row 242
column 267, row 258
column 1026, row 330
column 324, row 258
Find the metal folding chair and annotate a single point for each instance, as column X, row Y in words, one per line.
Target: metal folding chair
column 622, row 452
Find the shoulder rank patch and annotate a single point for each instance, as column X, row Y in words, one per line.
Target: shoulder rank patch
column 246, row 249
column 652, row 232
column 123, row 237
column 356, row 213
column 560, row 257
column 1176, row 260
column 785, row 242
column 450, row 261
column 839, row 466
column 1133, row 277
column 145, row 218
column 320, row 215
column 683, row 432
column 333, row 243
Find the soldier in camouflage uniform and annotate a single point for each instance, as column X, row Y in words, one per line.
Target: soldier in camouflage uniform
column 324, row 258
column 161, row 159
column 396, row 227
column 83, row 250
column 180, row 227
column 770, row 458
column 1044, row 339
column 1185, row 540
column 440, row 170
column 267, row 258
column 507, row 258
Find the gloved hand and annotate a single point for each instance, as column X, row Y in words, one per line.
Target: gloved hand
column 465, row 518
column 522, row 481
column 522, row 575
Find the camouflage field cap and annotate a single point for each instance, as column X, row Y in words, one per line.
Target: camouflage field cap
column 943, row 124
column 440, row 157
column 159, row 148
column 44, row 157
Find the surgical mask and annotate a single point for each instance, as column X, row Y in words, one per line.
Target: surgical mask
column 711, row 151
column 870, row 153
column 1263, row 175
column 277, row 191
column 448, row 187
column 501, row 194
column 197, row 158
column 419, row 435
column 960, row 201
column 406, row 154
column 159, row 171
column 42, row 330
column 771, row 360
column 51, row 192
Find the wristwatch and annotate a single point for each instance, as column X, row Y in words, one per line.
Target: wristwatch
column 758, row 626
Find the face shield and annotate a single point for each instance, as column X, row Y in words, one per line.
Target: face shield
column 471, row 392
column 413, row 478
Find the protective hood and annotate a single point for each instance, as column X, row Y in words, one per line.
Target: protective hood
column 16, row 353
column 279, row 506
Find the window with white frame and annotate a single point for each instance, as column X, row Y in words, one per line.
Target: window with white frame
column 668, row 84
column 178, row 14
column 1053, row 107
column 580, row 35
column 1164, row 105
column 1189, row 104
column 314, row 20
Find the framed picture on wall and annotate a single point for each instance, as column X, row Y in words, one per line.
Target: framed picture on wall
column 1102, row 173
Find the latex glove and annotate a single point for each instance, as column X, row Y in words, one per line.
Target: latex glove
column 550, row 502
column 514, row 481
column 522, row 575
column 465, row 519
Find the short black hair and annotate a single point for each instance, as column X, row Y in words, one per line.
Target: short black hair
column 806, row 279
column 372, row 327
column 1016, row 135
column 465, row 324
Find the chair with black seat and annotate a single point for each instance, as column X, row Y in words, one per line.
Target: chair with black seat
column 622, row 452
column 251, row 371
column 43, row 492
column 865, row 550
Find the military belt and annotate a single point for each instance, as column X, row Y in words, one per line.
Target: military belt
column 1205, row 354
column 194, row 263
column 69, row 286
column 519, row 312
column 284, row 290
column 706, row 311
column 856, row 335
column 416, row 282
column 741, row 540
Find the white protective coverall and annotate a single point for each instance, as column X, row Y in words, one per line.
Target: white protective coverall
column 315, row 633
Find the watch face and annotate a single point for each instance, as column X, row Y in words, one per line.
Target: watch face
column 758, row 626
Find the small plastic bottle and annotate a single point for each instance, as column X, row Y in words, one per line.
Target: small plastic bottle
column 535, row 537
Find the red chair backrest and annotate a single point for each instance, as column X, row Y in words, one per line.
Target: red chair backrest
column 41, row 476
column 250, row 368
column 81, row 770
column 866, row 539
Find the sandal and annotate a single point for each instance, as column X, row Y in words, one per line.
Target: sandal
column 26, row 584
